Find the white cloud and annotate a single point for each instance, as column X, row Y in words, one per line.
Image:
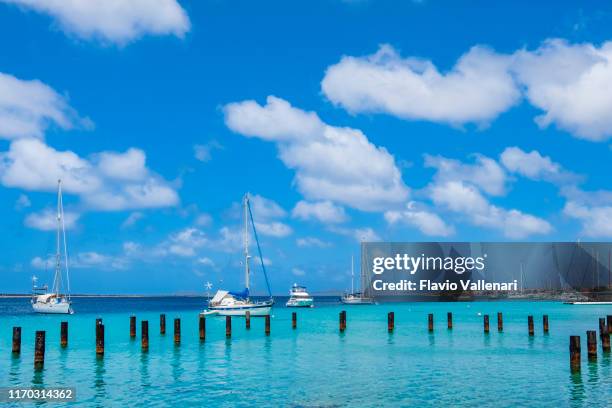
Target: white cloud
column 593, row 209
column 331, row 163
column 185, row 242
column 28, row 108
column 534, row 166
column 298, row 272
column 365, row 234
column 477, row 89
column 206, row 262
column 46, row 220
column 203, row 220
column 485, row 173
column 571, row 84
column 203, row 152
column 115, row 21
column 464, row 198
column 427, row 222
column 132, row 219
column 264, row 208
column 32, row 165
column 312, row 242
column 273, row 229
column 324, row 211
column 22, row 202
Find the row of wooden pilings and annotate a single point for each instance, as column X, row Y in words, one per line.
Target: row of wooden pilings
column 605, row 328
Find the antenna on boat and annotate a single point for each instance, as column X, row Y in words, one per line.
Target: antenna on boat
column 246, row 242
column 58, row 256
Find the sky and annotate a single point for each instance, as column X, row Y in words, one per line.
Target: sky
column 345, row 121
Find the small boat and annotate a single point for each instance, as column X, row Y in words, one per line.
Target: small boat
column 356, row 298
column 55, row 302
column 594, row 302
column 299, row 297
column 227, row 303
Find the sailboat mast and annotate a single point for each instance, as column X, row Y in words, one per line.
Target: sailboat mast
column 352, row 276
column 246, row 241
column 58, row 255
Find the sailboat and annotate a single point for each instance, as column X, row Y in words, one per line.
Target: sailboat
column 227, row 303
column 356, row 298
column 54, row 301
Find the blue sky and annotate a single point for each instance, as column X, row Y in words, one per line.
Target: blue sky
column 345, row 120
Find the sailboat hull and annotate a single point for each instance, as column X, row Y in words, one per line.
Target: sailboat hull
column 240, row 310
column 52, row 308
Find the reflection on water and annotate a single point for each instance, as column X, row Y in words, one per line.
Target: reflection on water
column 15, row 372
column 145, row 380
column 576, row 389
column 177, row 369
column 592, row 372
column 99, row 383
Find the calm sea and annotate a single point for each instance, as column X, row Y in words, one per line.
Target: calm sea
column 313, row 366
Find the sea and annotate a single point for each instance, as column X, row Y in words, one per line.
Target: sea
column 313, row 365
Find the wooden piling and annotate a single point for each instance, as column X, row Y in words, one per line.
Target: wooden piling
column 294, row 320
column 486, row 324
column 500, row 322
column 39, row 350
column 64, row 334
column 592, row 344
column 604, row 334
column 144, row 333
column 177, row 331
column 545, row 323
column 602, row 326
column 342, row 321
column 16, row 340
column 247, row 320
column 574, row 348
column 430, row 322
column 202, row 328
column 100, row 339
column 132, row 327
column 390, row 322
column 162, row 323
column 267, row 325
column 609, row 318
column 530, row 325
column 449, row 318
column 228, row 326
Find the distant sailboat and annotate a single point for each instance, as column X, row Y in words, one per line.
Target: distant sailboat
column 356, row 298
column 54, row 301
column 226, row 303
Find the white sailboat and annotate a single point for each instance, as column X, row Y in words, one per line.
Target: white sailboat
column 54, row 301
column 226, row 303
column 356, row 298
column 299, row 297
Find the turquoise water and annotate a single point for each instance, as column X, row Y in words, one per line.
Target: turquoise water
column 314, row 366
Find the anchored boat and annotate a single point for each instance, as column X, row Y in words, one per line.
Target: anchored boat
column 299, row 297
column 356, row 298
column 227, row 303
column 55, row 302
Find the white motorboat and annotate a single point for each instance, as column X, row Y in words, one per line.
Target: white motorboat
column 299, row 297
column 226, row 303
column 356, row 298
column 55, row 302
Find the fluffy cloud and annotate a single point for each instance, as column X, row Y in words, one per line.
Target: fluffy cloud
column 571, row 84
column 186, row 242
column 115, row 21
column 32, row 165
column 593, row 209
column 312, row 242
column 273, row 229
column 324, row 211
column 485, row 173
column 22, row 202
column 132, row 219
column 464, row 198
column 298, row 272
column 331, row 163
column 427, row 222
column 534, row 166
column 46, row 220
column 263, row 208
column 203, row 152
column 477, row 89
column 27, row 108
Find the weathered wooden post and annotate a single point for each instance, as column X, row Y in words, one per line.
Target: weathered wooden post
column 604, row 334
column 228, row 326
column 100, row 339
column 177, row 331
column 16, row 340
column 132, row 327
column 574, row 348
column 430, row 323
column 609, row 323
column 530, row 325
column 603, row 327
column 64, row 334
column 144, row 332
column 390, row 322
column 486, row 324
column 592, row 344
column 545, row 323
column 267, row 325
column 202, row 328
column 342, row 321
column 449, row 318
column 98, row 321
column 294, row 320
column 247, row 319
column 39, row 350
column 162, row 323
column 500, row 322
